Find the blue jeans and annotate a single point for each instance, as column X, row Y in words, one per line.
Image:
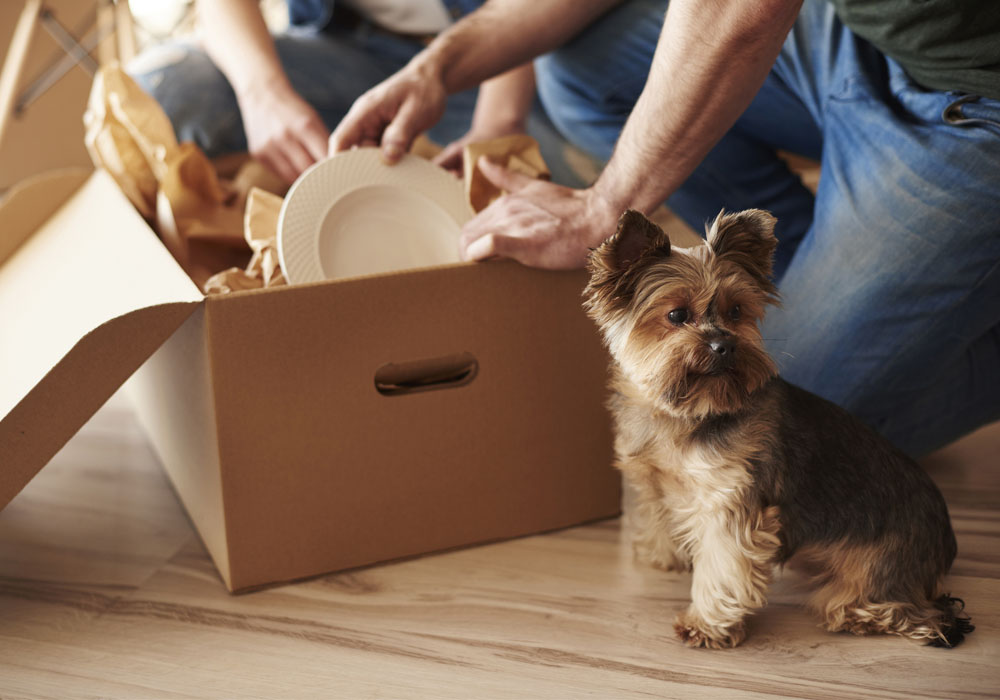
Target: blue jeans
column 330, row 70
column 890, row 274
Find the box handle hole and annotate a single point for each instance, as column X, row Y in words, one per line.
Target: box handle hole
column 447, row 372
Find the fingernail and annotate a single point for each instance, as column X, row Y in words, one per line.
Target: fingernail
column 478, row 249
column 391, row 153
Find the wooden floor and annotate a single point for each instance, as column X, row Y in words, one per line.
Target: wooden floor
column 105, row 591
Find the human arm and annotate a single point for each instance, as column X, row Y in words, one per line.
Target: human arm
column 282, row 130
column 501, row 109
column 494, row 39
column 710, row 60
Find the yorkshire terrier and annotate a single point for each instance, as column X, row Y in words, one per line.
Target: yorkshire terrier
column 738, row 472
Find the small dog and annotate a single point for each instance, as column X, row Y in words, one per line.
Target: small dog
column 738, row 472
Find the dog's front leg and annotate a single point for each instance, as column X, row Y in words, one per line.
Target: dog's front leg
column 735, row 558
column 651, row 527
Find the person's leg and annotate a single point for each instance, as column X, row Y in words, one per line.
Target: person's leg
column 590, row 85
column 194, row 95
column 329, row 70
column 892, row 300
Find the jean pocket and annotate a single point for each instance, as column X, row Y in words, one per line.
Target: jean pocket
column 942, row 107
column 973, row 110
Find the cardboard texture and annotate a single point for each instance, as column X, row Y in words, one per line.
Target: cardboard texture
column 308, row 428
column 62, row 354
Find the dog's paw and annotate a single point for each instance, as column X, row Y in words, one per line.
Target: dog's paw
column 693, row 631
column 664, row 561
column 660, row 554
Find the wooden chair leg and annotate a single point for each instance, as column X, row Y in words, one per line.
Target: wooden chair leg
column 13, row 66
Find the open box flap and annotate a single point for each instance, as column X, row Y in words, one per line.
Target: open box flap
column 84, row 299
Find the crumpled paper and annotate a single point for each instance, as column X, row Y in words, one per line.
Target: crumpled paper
column 175, row 186
column 223, row 214
column 260, row 229
column 128, row 135
column 517, row 152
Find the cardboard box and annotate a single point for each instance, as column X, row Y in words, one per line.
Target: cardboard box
column 307, row 428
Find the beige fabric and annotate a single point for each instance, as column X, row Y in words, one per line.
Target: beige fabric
column 404, row 16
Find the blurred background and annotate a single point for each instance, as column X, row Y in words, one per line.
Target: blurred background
column 49, row 52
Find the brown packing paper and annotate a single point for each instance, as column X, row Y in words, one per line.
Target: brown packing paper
column 260, row 226
column 202, row 207
column 235, row 279
column 129, row 135
column 201, row 217
column 198, row 215
column 209, row 223
column 517, row 152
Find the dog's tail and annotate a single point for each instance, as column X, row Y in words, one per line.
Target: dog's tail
column 955, row 622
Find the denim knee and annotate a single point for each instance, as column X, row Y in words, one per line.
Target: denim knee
column 590, row 85
column 194, row 94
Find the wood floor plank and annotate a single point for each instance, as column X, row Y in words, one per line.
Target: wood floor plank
column 105, row 591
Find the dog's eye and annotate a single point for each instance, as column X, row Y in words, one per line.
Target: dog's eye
column 735, row 313
column 678, row 316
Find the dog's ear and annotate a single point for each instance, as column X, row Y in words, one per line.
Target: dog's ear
column 747, row 239
column 636, row 237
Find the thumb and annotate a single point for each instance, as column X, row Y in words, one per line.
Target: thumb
column 495, row 245
column 502, row 177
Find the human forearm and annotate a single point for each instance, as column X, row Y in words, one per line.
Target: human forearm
column 499, row 36
column 282, row 130
column 236, row 38
column 710, row 61
column 504, row 101
column 504, row 34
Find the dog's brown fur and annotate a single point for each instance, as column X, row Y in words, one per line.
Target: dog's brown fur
column 738, row 472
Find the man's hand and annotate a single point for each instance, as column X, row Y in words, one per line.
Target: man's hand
column 538, row 223
column 497, row 37
column 393, row 113
column 283, row 131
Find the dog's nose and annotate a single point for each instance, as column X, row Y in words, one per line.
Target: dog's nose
column 722, row 347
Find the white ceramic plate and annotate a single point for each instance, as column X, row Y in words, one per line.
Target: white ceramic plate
column 352, row 215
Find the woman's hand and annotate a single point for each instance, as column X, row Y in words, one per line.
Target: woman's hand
column 283, row 131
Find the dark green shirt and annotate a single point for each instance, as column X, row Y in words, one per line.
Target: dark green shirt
column 942, row 44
